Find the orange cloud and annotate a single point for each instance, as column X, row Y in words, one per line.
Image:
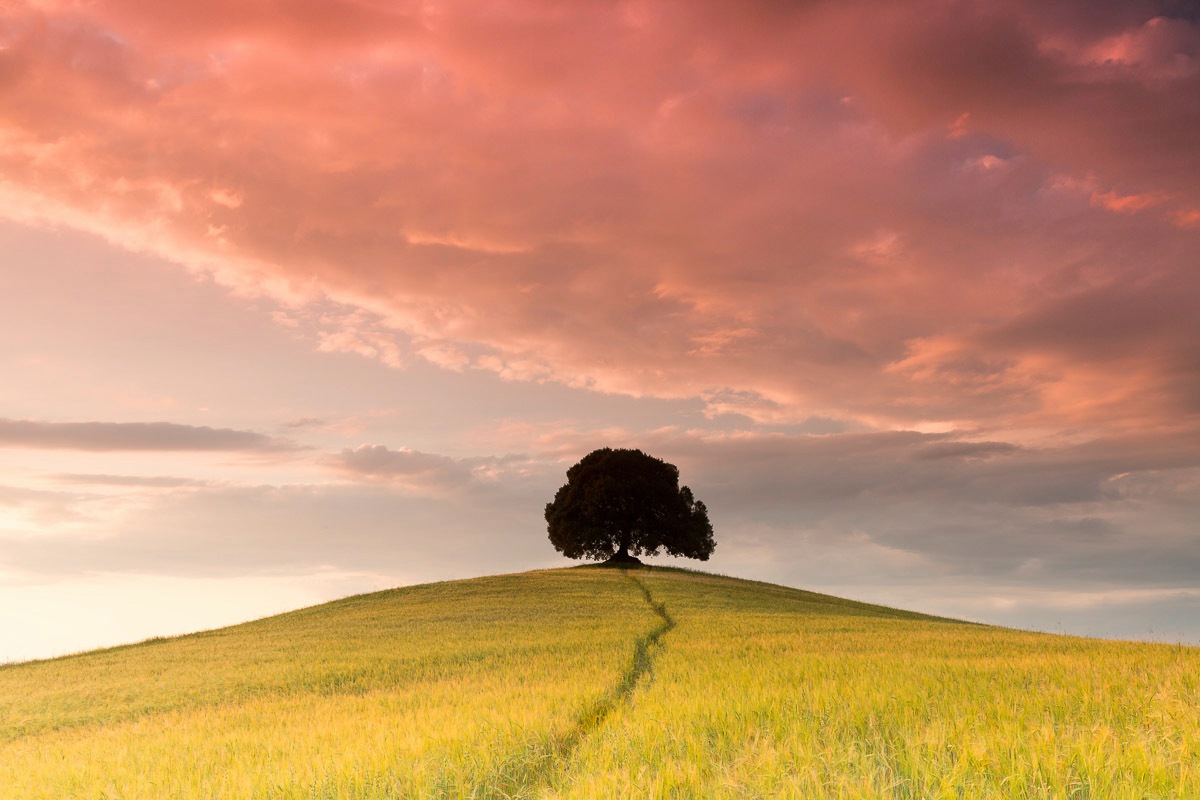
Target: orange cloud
column 1188, row 218
column 1127, row 203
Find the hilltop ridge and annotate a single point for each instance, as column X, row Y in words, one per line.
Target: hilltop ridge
column 599, row 682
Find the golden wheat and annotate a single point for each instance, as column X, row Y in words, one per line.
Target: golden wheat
column 594, row 683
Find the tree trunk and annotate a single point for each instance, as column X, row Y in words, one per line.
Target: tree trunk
column 621, row 558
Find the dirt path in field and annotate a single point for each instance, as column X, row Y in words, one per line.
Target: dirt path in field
column 645, row 650
column 536, row 766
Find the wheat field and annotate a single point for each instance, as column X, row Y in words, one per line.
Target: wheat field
column 600, row 683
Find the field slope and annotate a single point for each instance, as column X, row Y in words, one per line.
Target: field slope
column 591, row 682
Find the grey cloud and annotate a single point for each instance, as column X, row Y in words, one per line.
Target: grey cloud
column 133, row 436
column 829, row 471
column 305, row 422
column 897, row 512
column 957, row 450
column 916, row 508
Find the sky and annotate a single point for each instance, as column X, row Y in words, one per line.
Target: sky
column 305, row 299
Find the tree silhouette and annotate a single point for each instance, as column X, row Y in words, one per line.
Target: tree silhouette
column 617, row 504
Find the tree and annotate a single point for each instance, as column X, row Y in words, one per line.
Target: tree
column 617, row 504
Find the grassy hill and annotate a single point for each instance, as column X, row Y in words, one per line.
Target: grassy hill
column 591, row 682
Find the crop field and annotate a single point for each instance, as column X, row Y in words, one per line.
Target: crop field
column 592, row 682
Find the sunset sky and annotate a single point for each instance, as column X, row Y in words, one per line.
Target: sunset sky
column 303, row 299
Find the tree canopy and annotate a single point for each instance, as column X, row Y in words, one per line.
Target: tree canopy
column 617, row 504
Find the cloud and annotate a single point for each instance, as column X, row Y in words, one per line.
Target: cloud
column 22, row 509
column 428, row 472
column 900, row 508
column 1127, row 204
column 900, row 517
column 956, row 239
column 148, row 481
column 839, row 210
column 407, row 467
column 912, row 519
column 231, row 531
column 1161, row 49
column 132, row 436
column 965, row 450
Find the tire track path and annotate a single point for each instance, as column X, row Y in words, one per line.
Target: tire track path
column 538, row 764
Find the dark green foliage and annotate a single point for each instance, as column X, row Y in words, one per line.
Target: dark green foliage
column 621, row 502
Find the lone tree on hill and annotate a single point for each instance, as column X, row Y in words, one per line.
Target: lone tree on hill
column 618, row 504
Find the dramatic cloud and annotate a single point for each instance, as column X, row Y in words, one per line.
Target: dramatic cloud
column 901, row 215
column 132, row 436
column 907, row 291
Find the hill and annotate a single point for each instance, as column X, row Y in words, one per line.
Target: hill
column 591, row 682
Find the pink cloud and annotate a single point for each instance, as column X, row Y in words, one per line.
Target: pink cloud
column 852, row 210
column 1159, row 49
